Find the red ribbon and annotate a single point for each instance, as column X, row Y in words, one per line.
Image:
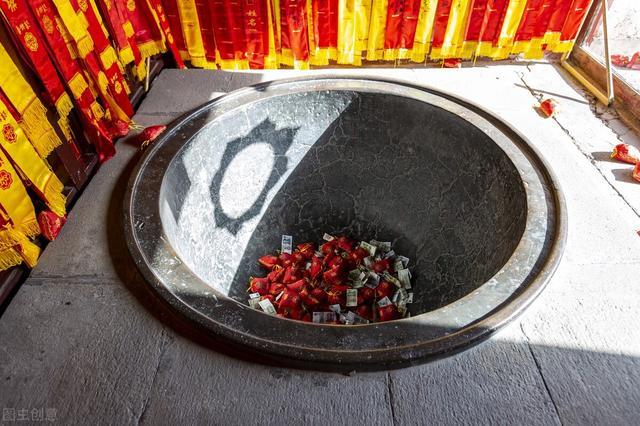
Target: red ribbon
column 402, row 19
column 293, row 27
column 325, row 23
column 26, row 30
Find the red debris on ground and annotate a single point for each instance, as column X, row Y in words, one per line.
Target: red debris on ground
column 623, row 61
column 548, row 107
column 149, row 134
column 50, row 224
column 340, row 282
column 452, row 63
column 627, row 153
column 636, row 172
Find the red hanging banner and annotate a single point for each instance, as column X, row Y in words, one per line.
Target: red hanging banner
column 26, row 30
column 293, row 27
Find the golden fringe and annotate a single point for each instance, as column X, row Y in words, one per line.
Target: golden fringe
column 77, row 85
column 9, row 258
column 103, row 82
column 63, row 123
column 30, row 228
column 141, row 71
column 64, row 105
column 9, row 237
column 97, row 110
column 108, row 57
column 126, row 55
column 203, row 63
column 151, row 48
column 84, row 46
column 56, row 201
column 46, row 143
column 128, row 29
column 34, row 118
column 36, row 126
column 30, row 253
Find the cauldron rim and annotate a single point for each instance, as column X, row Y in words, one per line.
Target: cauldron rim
column 225, row 321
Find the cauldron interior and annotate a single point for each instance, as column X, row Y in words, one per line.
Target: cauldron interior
column 368, row 165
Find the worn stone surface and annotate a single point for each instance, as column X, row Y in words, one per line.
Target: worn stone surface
column 116, row 356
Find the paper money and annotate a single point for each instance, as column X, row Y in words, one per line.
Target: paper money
column 384, row 302
column 405, row 278
column 398, row 265
column 368, row 247
column 254, row 303
column 267, row 306
column 327, row 237
column 409, row 297
column 405, row 260
column 389, row 254
column 335, row 308
column 382, row 245
column 373, row 280
column 352, row 297
column 287, row 244
column 393, row 280
column 323, row 317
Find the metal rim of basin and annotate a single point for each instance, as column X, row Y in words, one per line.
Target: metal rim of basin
column 434, row 334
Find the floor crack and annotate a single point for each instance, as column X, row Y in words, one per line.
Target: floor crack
column 163, row 347
column 539, row 368
column 391, row 398
column 575, row 143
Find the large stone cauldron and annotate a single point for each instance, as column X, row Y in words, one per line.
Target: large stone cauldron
column 456, row 190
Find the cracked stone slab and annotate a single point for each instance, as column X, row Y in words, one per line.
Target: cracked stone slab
column 494, row 383
column 199, row 386
column 86, row 351
column 586, row 339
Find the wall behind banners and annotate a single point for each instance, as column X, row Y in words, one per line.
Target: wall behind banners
column 262, row 34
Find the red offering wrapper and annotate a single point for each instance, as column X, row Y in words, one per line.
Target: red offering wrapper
column 627, row 153
column 636, row 172
column 149, row 134
column 619, row 60
column 634, row 62
column 340, row 284
column 548, row 107
column 452, row 63
column 50, row 224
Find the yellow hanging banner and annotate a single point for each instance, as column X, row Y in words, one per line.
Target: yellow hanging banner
column 17, row 147
column 424, row 30
column 509, row 27
column 33, row 114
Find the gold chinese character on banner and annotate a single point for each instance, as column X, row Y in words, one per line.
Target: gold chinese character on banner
column 11, row 4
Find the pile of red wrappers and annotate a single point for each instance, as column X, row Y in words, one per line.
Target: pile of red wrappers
column 628, row 154
column 340, row 282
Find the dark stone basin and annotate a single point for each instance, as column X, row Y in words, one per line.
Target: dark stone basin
column 453, row 188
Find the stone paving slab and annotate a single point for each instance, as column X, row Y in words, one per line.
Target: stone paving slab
column 116, row 355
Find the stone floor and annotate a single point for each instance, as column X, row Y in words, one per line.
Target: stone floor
column 84, row 336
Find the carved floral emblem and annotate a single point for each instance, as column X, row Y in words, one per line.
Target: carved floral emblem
column 30, row 41
column 83, row 5
column 5, row 179
column 118, row 87
column 48, row 24
column 131, row 5
column 9, row 133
